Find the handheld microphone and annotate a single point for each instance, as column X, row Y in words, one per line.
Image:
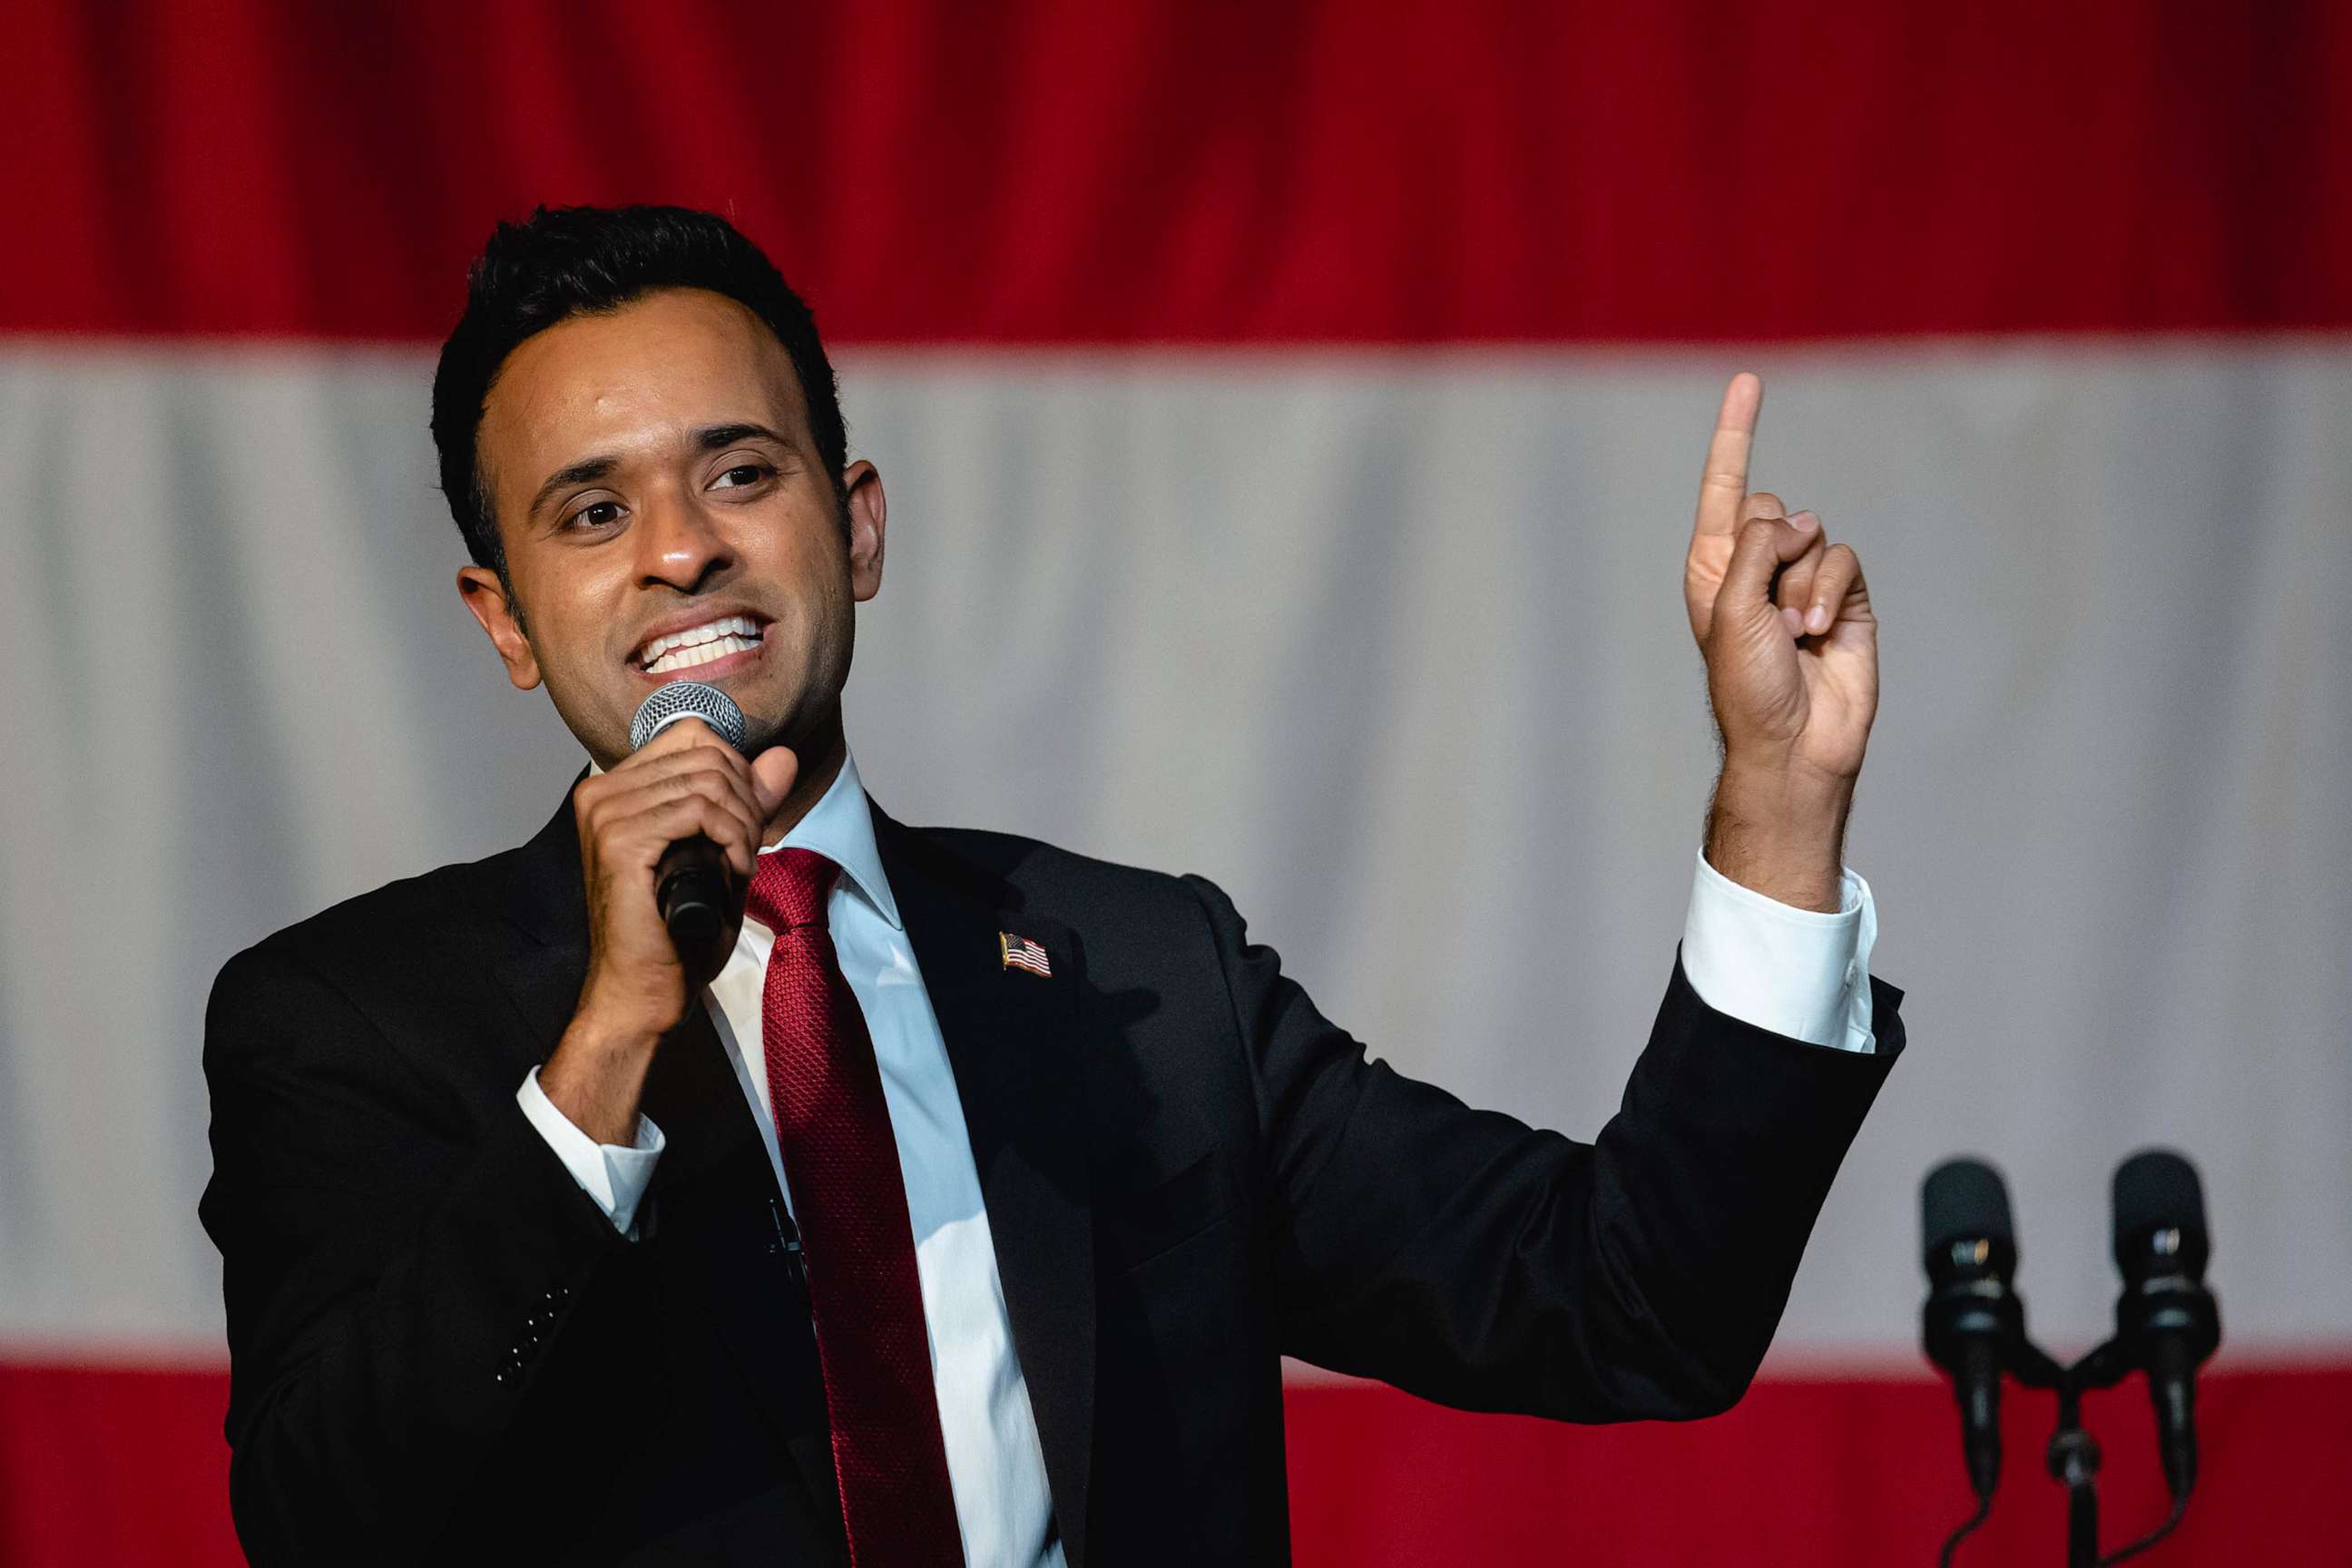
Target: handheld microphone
column 2166, row 1322
column 1974, row 1322
column 690, row 882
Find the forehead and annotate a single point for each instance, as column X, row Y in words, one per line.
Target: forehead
column 632, row 382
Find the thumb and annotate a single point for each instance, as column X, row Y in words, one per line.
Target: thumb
column 772, row 773
column 1764, row 545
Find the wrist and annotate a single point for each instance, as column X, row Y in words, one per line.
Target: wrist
column 596, row 1074
column 1780, row 833
column 1784, row 792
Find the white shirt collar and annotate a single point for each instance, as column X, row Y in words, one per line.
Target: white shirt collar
column 840, row 827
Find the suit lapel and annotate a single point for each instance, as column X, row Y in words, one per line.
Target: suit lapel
column 713, row 1205
column 708, row 1207
column 1013, row 1041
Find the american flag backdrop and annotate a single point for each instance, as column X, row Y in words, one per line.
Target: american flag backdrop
column 1291, row 415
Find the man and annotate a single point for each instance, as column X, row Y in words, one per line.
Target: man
column 966, row 1212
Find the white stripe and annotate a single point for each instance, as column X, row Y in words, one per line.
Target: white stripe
column 1392, row 646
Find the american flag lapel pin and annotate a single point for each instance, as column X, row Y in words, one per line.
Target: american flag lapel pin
column 1019, row 952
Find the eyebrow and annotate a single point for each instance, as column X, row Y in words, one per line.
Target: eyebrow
column 710, row 438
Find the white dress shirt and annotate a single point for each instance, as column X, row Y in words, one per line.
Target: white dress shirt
column 995, row 1463
column 1794, row 972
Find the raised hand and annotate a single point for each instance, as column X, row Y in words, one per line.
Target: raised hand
column 1783, row 619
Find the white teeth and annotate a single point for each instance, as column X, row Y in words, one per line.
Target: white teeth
column 729, row 625
column 700, row 654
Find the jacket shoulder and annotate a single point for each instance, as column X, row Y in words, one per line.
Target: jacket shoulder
column 409, row 924
column 1083, row 891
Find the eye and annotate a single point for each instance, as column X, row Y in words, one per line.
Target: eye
column 595, row 514
column 740, row 475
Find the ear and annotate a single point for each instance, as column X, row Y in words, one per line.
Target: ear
column 486, row 599
column 868, row 516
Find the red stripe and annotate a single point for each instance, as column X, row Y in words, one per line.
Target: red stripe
column 1030, row 171
column 102, row 1465
column 106, row 1467
column 1807, row 1473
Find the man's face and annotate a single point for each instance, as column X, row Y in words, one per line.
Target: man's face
column 665, row 517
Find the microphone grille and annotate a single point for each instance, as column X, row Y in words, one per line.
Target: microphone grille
column 686, row 699
column 1962, row 1199
column 2157, row 1190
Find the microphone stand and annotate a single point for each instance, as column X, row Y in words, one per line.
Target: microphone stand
column 2072, row 1456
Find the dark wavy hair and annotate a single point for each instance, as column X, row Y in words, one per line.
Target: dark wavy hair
column 562, row 262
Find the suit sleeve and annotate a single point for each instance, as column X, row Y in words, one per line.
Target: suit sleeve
column 1467, row 1257
column 394, row 1265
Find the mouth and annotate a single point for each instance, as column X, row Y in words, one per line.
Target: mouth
column 713, row 648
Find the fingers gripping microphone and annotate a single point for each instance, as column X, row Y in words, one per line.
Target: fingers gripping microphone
column 690, row 883
column 2166, row 1322
column 1973, row 1321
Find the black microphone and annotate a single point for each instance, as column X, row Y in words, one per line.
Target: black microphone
column 2166, row 1322
column 1973, row 1321
column 690, row 882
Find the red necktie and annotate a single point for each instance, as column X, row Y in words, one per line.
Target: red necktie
column 833, row 1129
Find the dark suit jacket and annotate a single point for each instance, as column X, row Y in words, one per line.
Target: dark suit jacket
column 442, row 1349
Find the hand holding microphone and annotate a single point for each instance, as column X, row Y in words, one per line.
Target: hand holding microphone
column 701, row 903
column 688, row 809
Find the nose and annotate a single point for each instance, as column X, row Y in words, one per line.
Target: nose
column 679, row 546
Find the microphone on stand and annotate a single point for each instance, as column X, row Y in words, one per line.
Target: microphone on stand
column 2166, row 1322
column 2166, row 1325
column 691, row 883
column 1974, row 1322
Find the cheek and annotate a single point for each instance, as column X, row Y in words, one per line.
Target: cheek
column 816, row 576
column 569, row 623
column 814, row 628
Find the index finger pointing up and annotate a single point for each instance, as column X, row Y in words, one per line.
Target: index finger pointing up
column 1724, row 486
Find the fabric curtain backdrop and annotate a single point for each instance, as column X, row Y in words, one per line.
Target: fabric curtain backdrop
column 1290, row 455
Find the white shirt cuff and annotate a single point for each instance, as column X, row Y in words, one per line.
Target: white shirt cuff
column 615, row 1175
column 1799, row 972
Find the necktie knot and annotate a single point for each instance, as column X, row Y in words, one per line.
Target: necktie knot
column 789, row 888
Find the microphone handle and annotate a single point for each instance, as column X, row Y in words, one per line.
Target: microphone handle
column 691, row 886
column 1976, row 1383
column 2172, row 1389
